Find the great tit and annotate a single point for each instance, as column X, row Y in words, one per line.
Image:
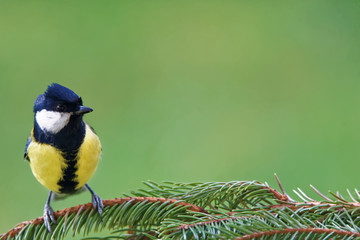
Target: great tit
column 62, row 149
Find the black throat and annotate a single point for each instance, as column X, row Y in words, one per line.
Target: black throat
column 68, row 140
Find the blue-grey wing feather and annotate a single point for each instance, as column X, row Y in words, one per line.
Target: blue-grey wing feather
column 26, row 157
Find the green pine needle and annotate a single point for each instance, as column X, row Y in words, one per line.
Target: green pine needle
column 213, row 210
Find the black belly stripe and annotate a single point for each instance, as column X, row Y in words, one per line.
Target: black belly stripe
column 68, row 140
column 68, row 183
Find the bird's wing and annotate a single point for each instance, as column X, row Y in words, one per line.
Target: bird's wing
column 26, row 157
column 92, row 129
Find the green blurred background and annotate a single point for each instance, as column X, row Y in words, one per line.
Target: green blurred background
column 186, row 91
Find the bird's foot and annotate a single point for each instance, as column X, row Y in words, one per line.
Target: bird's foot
column 97, row 204
column 96, row 201
column 48, row 217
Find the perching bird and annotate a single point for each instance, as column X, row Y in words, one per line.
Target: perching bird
column 62, row 149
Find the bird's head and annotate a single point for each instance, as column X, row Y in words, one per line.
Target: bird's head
column 54, row 109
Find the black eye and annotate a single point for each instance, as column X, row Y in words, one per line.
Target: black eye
column 60, row 108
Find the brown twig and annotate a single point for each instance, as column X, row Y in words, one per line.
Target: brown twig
column 281, row 188
column 277, row 195
column 117, row 201
column 287, row 201
column 299, row 230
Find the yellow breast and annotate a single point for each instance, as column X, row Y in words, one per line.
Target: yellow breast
column 48, row 164
column 88, row 157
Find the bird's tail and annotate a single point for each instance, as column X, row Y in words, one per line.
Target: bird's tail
column 60, row 196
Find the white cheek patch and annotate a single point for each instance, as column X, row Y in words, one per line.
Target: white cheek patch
column 51, row 121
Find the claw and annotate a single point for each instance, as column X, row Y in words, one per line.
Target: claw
column 96, row 201
column 48, row 214
column 48, row 217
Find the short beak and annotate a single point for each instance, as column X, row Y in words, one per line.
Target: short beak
column 83, row 110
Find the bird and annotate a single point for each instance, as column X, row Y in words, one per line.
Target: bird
column 62, row 149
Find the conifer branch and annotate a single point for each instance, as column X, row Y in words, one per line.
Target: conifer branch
column 107, row 203
column 212, row 210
